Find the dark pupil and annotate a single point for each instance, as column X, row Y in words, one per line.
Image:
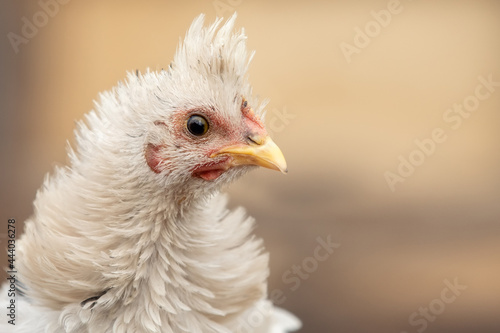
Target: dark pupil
column 197, row 125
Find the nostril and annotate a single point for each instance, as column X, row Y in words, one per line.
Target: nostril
column 255, row 139
column 251, row 140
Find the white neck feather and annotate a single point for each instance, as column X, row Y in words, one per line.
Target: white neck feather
column 177, row 260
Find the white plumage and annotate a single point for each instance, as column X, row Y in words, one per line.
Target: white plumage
column 134, row 236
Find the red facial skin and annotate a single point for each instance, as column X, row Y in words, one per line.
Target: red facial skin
column 212, row 171
column 219, row 135
column 251, row 119
column 152, row 157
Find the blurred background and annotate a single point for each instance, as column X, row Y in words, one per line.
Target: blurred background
column 357, row 90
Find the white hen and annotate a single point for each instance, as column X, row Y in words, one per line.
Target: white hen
column 133, row 235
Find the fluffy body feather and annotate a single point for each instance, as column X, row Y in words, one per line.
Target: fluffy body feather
column 115, row 247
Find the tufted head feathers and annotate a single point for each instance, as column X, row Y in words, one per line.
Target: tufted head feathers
column 190, row 128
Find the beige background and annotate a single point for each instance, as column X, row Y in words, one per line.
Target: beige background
column 348, row 124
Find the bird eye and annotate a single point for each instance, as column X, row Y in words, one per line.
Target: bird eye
column 197, row 125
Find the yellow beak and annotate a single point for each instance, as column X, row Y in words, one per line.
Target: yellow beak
column 262, row 152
